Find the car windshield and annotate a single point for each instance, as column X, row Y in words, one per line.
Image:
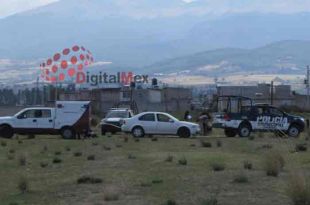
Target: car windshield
column 117, row 114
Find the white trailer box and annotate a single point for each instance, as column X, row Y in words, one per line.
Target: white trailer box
column 67, row 118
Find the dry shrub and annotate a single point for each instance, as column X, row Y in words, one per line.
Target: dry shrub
column 247, row 165
column 217, row 165
column 205, row 144
column 241, row 178
column 22, row 160
column 273, row 163
column 298, row 190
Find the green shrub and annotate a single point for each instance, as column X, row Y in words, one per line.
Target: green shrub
column 109, row 196
column 95, row 143
column 217, row 165
column 301, row 147
column 205, row 144
column 169, row 158
column 78, row 154
column 170, row 202
column 91, row 157
column 154, row 139
column 57, row 153
column 219, row 143
column 57, row 160
column 241, row 178
column 11, row 151
column 107, row 148
column 10, row 157
column 89, row 180
column 23, row 185
column 298, row 190
column 43, row 164
column 3, row 143
column 210, row 201
column 22, row 160
column 67, row 148
column 251, row 137
column 157, row 181
column 126, row 139
column 183, row 161
column 131, row 156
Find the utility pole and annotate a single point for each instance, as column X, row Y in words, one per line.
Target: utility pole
column 308, row 85
column 271, row 93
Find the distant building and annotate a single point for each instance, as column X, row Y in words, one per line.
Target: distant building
column 167, row 99
column 261, row 93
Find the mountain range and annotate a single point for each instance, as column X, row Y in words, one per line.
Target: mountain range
column 161, row 36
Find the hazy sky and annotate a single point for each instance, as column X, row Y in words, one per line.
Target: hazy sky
column 8, row 7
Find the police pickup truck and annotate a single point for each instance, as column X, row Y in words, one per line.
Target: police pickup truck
column 240, row 116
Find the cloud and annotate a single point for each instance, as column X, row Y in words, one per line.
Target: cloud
column 9, row 7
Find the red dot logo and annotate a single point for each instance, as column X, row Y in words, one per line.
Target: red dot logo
column 49, row 62
column 66, row 51
column 74, row 60
column 56, row 57
column 76, row 48
column 54, row 68
column 64, row 64
column 80, row 67
column 71, row 72
column 61, row 77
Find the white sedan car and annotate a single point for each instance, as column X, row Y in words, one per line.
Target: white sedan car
column 158, row 123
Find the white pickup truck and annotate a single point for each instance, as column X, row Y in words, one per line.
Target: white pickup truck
column 67, row 118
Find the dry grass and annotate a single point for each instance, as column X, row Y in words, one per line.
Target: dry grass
column 298, row 189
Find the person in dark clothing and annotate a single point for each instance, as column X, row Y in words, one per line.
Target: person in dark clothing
column 186, row 115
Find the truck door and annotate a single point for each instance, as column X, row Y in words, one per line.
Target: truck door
column 26, row 120
column 44, row 118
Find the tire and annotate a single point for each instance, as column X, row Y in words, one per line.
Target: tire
column 230, row 132
column 184, row 132
column 138, row 132
column 6, row 131
column 68, row 133
column 244, row 130
column 293, row 131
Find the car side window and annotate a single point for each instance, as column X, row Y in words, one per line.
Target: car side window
column 27, row 114
column 275, row 112
column 163, row 118
column 46, row 114
column 147, row 117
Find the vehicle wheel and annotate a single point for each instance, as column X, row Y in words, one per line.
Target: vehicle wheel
column 244, row 130
column 6, row 131
column 137, row 132
column 293, row 131
column 230, row 132
column 67, row 133
column 184, row 132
